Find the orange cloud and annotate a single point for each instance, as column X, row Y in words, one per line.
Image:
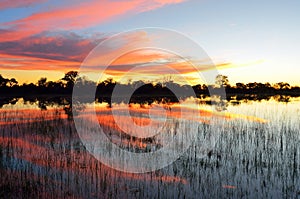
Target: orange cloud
column 13, row 62
column 56, row 47
column 66, row 51
column 27, row 44
column 157, row 62
column 60, row 52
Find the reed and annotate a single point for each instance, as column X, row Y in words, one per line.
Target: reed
column 42, row 156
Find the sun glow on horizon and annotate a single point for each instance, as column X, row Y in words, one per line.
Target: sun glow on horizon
column 193, row 78
column 39, row 42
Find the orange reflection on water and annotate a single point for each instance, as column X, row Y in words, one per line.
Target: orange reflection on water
column 229, row 187
column 72, row 160
column 187, row 113
column 56, row 153
column 245, row 117
column 23, row 116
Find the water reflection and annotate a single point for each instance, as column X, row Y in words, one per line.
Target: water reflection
column 41, row 154
column 43, row 102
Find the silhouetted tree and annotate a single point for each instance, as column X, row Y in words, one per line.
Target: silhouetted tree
column 240, row 86
column 251, row 85
column 13, row 82
column 144, row 92
column 42, row 82
column 3, row 81
column 222, row 81
column 281, row 85
column 70, row 78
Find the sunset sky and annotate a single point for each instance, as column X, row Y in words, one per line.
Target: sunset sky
column 247, row 40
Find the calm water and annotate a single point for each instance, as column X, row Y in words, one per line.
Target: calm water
column 251, row 150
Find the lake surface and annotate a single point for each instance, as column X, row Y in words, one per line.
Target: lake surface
column 250, row 149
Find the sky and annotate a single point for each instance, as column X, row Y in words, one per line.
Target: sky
column 249, row 41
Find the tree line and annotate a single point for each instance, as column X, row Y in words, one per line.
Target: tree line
column 64, row 86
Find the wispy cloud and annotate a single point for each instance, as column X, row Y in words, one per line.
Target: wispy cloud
column 4, row 4
column 76, row 16
column 45, row 40
column 63, row 46
column 66, row 51
column 60, row 51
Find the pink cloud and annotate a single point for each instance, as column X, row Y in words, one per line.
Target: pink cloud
column 67, row 46
column 77, row 16
column 4, row 4
column 154, row 4
column 66, row 51
column 13, row 62
column 60, row 52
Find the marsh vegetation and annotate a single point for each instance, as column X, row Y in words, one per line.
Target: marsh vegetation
column 254, row 153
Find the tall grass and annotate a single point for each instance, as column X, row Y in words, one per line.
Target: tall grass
column 42, row 156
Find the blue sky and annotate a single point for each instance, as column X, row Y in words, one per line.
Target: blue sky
column 259, row 38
